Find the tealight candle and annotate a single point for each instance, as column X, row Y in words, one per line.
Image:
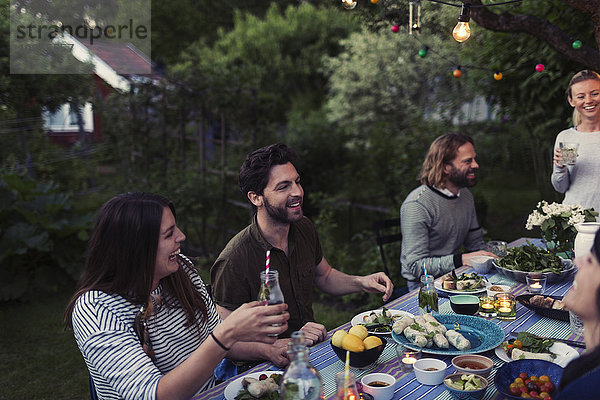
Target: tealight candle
column 536, row 284
column 487, row 307
column 506, row 306
column 407, row 358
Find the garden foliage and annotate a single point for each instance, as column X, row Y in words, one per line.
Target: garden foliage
column 42, row 237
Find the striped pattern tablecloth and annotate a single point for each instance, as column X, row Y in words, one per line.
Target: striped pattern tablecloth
column 328, row 364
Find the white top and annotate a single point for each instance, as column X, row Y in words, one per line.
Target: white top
column 580, row 182
column 103, row 328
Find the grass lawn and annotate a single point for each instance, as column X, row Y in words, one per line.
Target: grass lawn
column 40, row 360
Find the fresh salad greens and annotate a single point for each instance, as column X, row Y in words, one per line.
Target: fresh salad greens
column 530, row 258
column 466, row 382
column 528, row 342
column 379, row 322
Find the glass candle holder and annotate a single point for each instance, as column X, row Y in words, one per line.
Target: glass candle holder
column 407, row 357
column 506, row 306
column 536, row 284
column 487, row 307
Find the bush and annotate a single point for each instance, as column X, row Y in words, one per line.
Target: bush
column 42, row 237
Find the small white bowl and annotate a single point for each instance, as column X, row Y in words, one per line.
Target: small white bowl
column 481, row 264
column 430, row 371
column 379, row 392
column 491, row 292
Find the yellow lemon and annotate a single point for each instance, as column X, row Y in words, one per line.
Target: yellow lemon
column 372, row 341
column 337, row 338
column 353, row 343
column 360, row 331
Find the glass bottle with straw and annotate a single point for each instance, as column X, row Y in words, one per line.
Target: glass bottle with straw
column 346, row 383
column 428, row 297
column 270, row 291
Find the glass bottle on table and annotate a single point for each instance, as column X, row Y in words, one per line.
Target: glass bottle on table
column 300, row 380
column 428, row 297
column 346, row 389
column 270, row 292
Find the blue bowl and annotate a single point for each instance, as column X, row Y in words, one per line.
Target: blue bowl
column 466, row 394
column 506, row 374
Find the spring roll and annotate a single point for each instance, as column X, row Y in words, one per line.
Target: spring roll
column 457, row 340
column 415, row 335
column 440, row 341
column 402, row 323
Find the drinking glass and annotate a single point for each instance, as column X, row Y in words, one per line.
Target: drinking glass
column 569, row 152
column 497, row 247
column 575, row 323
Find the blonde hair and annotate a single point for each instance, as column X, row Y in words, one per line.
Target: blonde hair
column 441, row 152
column 581, row 76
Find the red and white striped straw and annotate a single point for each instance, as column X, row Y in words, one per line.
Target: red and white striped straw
column 267, row 266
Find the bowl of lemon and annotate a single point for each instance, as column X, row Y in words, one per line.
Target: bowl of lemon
column 364, row 349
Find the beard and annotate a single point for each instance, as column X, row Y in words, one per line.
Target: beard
column 460, row 179
column 281, row 214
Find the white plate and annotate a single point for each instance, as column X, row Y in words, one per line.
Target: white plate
column 564, row 353
column 358, row 318
column 233, row 389
column 438, row 286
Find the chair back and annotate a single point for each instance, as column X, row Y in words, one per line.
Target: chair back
column 387, row 231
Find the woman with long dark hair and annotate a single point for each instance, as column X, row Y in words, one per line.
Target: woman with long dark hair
column 581, row 376
column 141, row 315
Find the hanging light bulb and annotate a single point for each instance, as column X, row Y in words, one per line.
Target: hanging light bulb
column 349, row 4
column 414, row 26
column 462, row 30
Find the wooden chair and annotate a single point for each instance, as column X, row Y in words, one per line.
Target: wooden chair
column 388, row 231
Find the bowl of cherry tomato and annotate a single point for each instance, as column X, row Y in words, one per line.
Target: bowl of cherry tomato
column 530, row 379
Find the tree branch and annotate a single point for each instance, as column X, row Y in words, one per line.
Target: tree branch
column 544, row 30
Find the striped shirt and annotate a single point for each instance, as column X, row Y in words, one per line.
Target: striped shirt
column 120, row 369
column 434, row 229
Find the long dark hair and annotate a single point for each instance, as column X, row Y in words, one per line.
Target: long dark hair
column 122, row 255
column 441, row 152
column 588, row 361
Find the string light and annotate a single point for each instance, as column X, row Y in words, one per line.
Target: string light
column 498, row 75
column 414, row 26
column 349, row 4
column 457, row 72
column 396, row 28
column 423, row 52
column 539, row 67
column 577, row 44
column 462, row 30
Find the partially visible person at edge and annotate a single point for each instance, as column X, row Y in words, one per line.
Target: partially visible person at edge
column 141, row 315
column 438, row 218
column 581, row 375
column 268, row 178
column 581, row 182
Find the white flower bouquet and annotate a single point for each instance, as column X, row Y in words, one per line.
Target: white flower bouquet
column 557, row 223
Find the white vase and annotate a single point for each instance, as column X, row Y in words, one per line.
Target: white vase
column 584, row 239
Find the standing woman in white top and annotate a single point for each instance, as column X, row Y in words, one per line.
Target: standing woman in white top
column 142, row 317
column 581, row 182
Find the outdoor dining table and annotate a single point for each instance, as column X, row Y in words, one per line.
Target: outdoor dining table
column 325, row 360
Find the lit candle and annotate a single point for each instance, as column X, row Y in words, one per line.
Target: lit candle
column 487, row 306
column 504, row 309
column 409, row 360
column 536, row 285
